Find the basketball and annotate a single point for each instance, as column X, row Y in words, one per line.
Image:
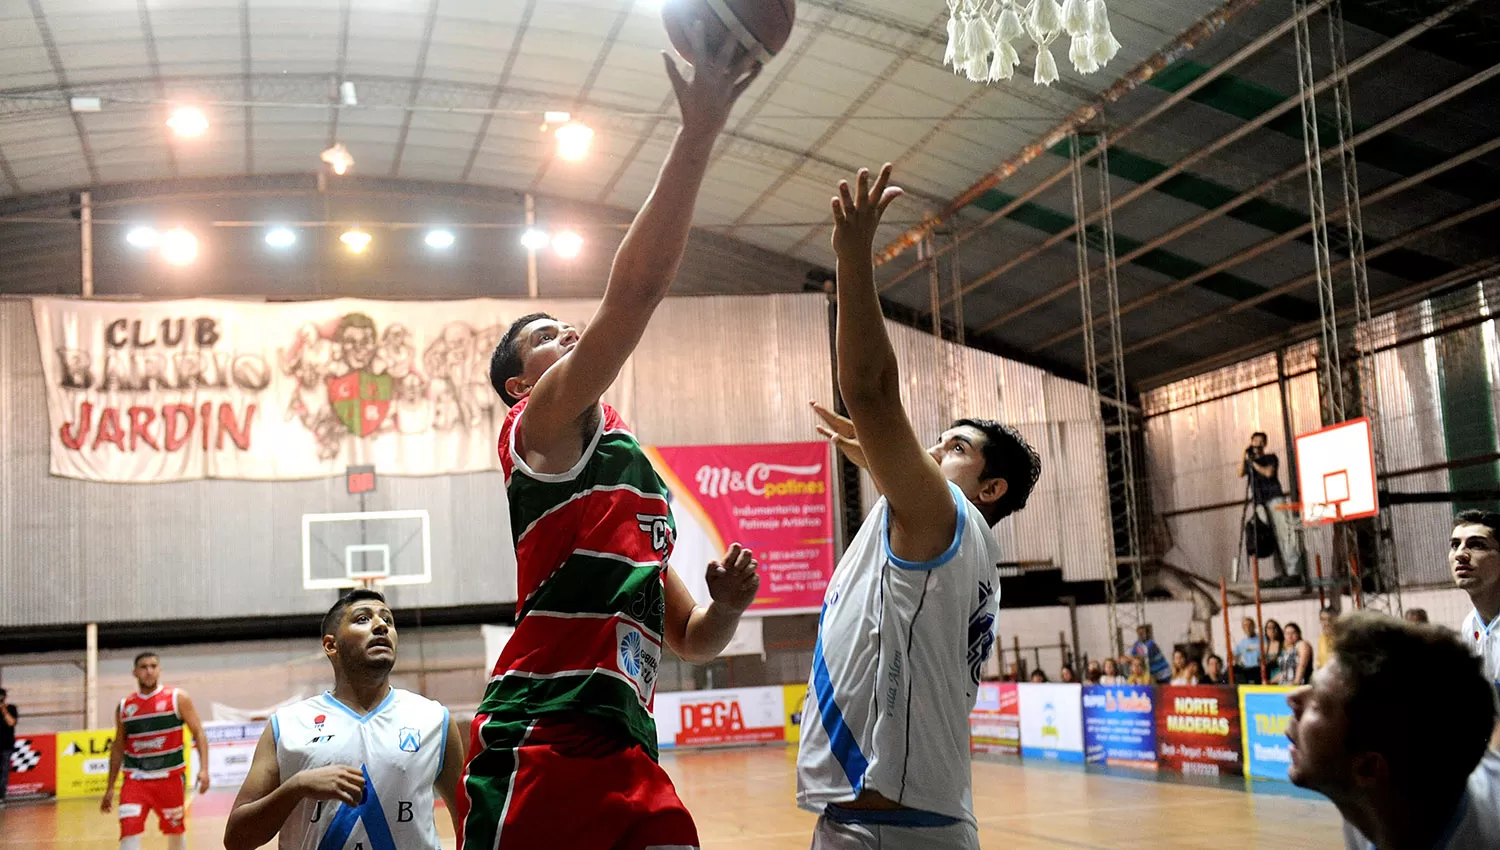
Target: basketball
column 761, row 26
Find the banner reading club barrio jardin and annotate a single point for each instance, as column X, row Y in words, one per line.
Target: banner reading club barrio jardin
column 177, row 390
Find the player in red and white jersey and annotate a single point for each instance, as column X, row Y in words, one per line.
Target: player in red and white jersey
column 150, row 746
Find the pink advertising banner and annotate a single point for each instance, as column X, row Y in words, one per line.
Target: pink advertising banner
column 775, row 498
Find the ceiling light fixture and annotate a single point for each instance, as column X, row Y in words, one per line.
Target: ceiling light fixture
column 338, row 158
column 439, row 239
column 280, row 237
column 534, row 240
column 346, row 94
column 567, row 244
column 145, row 238
column 984, row 38
column 179, row 247
column 356, row 239
column 573, row 141
column 188, row 122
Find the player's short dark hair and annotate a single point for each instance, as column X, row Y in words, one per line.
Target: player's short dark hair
column 1006, row 455
column 1433, row 735
column 148, row 654
column 1488, row 519
column 506, row 362
column 335, row 614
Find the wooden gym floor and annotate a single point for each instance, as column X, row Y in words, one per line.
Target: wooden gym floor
column 743, row 798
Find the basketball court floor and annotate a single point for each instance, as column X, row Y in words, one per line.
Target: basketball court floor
column 743, row 798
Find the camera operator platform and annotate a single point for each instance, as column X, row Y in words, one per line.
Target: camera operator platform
column 1270, row 515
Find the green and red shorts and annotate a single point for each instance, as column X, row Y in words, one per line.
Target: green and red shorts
column 566, row 781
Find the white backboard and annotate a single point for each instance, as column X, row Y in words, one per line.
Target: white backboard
column 1336, row 473
column 379, row 547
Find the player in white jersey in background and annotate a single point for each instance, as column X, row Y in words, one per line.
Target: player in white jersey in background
column 909, row 615
column 1474, row 560
column 356, row 766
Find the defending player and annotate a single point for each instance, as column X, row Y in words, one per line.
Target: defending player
column 149, row 746
column 1474, row 559
column 564, row 744
column 354, row 768
column 909, row 615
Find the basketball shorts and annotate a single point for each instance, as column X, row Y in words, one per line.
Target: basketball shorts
column 858, row 829
column 167, row 797
column 567, row 782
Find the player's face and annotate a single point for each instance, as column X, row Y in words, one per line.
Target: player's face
column 148, row 672
column 543, row 343
column 1474, row 559
column 1319, row 731
column 367, row 636
column 960, row 455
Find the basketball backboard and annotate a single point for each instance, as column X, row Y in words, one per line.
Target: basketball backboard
column 366, row 547
column 1336, row 473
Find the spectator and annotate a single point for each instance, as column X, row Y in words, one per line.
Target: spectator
column 1275, row 642
column 1417, row 616
column 8, row 717
column 1012, row 673
column 1095, row 673
column 1214, row 672
column 1138, row 674
column 1247, row 654
column 1179, row 667
column 1038, row 676
column 1405, row 766
column 1111, row 673
column 1146, row 648
column 1325, row 635
column 1067, row 676
column 1296, row 663
column 1268, row 500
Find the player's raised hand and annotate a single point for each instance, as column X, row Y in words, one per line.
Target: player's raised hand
column 334, row 782
column 734, row 581
column 839, row 430
column 718, row 81
column 856, row 214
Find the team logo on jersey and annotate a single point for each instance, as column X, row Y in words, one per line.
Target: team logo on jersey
column 411, row 739
column 981, row 632
column 131, row 709
column 321, row 739
column 151, row 743
column 319, row 721
column 638, row 659
column 660, row 530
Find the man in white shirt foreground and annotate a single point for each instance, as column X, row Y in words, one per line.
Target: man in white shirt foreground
column 1393, row 730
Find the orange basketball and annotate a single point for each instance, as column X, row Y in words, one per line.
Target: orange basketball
column 760, row 26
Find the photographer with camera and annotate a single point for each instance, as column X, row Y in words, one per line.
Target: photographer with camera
column 1268, row 511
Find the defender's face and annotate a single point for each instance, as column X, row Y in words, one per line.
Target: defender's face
column 543, row 343
column 1474, row 559
column 1319, row 731
column 367, row 636
column 148, row 672
column 959, row 453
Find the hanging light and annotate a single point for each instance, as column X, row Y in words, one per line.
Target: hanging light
column 280, row 237
column 338, row 158
column 573, row 141
column 534, row 240
column 179, row 247
column 439, row 239
column 567, row 244
column 985, row 37
column 356, row 239
column 145, row 238
column 188, row 122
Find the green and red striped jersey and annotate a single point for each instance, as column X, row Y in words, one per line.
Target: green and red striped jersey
column 592, row 546
column 153, row 734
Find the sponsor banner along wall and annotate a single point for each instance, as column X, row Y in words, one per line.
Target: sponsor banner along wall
column 775, row 498
column 1051, row 721
column 1198, row 730
column 1265, row 714
column 179, row 390
column 83, row 762
column 231, row 747
column 33, row 767
column 1118, row 725
column 995, row 722
column 721, row 717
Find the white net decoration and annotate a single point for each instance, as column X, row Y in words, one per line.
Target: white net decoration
column 985, row 37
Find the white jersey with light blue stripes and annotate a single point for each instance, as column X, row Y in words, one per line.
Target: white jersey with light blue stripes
column 896, row 670
column 399, row 746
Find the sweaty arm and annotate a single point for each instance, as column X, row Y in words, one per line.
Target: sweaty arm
column 922, row 513
column 453, row 768
column 265, row 802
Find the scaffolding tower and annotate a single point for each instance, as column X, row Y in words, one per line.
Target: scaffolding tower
column 1120, row 423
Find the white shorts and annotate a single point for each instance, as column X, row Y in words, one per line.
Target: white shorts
column 848, row 829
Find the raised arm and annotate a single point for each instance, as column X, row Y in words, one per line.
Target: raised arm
column 200, row 741
column 698, row 633
column 923, row 515
column 648, row 257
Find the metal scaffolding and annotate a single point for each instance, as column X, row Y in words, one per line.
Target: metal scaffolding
column 1104, row 357
column 1371, row 555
